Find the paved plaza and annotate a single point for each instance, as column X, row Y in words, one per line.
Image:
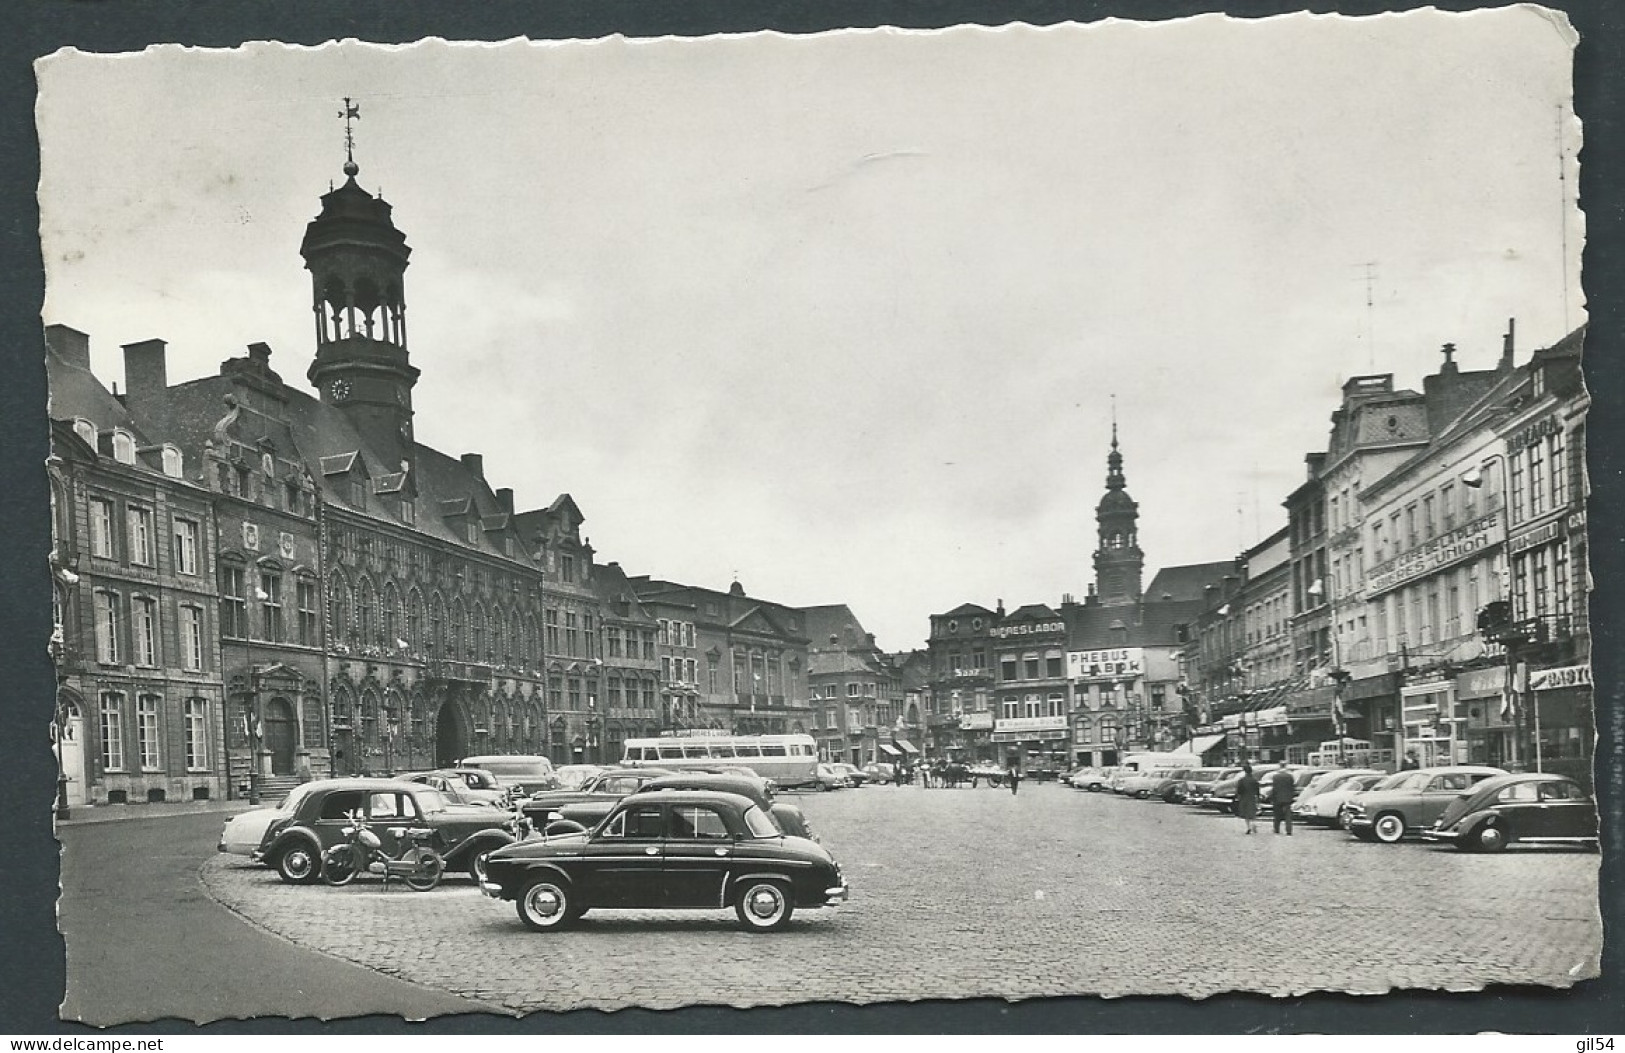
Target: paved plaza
column 976, row 892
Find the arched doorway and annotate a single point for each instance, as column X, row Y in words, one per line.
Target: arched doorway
column 281, row 735
column 450, row 737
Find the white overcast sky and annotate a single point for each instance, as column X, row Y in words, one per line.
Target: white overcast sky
column 842, row 314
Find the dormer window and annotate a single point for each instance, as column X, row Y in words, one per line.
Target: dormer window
column 567, row 568
column 358, row 491
column 86, row 431
column 174, row 463
column 123, row 447
column 473, row 530
column 409, row 510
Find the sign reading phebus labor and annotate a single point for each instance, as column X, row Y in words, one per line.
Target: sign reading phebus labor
column 1110, row 663
column 1028, row 629
column 1562, row 676
column 1461, row 543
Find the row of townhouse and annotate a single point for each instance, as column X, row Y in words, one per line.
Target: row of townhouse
column 254, row 583
column 1437, row 582
column 1078, row 683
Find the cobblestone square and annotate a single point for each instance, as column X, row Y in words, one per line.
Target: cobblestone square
column 981, row 893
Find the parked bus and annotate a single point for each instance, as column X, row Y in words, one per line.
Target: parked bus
column 788, row 760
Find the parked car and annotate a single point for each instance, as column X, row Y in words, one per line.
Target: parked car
column 464, row 785
column 1093, row 779
column 1412, row 804
column 1223, row 796
column 827, row 778
column 880, row 771
column 669, row 850
column 521, row 773
column 294, row 842
column 605, row 788
column 1529, row 808
column 1143, row 784
column 1387, row 782
column 1175, row 785
column 245, row 832
column 1321, row 806
column 789, row 817
column 855, row 776
column 1199, row 791
column 571, row 776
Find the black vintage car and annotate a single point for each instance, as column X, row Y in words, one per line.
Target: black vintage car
column 294, row 843
column 601, row 790
column 788, row 817
column 671, row 849
column 1531, row 808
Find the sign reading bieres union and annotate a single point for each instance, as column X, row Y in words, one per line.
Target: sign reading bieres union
column 1108, row 663
column 1461, row 543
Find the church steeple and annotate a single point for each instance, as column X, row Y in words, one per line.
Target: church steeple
column 356, row 260
column 1119, row 563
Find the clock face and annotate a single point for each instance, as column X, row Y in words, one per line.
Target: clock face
column 406, row 430
column 400, row 395
column 340, row 390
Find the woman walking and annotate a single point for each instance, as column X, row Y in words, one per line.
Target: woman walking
column 1247, row 796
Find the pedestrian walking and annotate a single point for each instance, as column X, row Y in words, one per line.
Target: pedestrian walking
column 1015, row 779
column 1247, row 796
column 1283, row 788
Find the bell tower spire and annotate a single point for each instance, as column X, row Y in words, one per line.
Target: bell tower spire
column 357, row 260
column 1119, row 563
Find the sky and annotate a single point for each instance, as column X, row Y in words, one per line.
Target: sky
column 844, row 317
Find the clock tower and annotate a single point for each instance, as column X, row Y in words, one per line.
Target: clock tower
column 356, row 260
column 1119, row 563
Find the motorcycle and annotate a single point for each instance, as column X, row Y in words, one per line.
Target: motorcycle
column 416, row 862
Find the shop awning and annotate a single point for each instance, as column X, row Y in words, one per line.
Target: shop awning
column 890, row 751
column 1202, row 743
column 1269, row 717
column 905, row 745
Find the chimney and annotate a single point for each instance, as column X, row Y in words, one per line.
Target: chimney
column 475, row 463
column 505, row 499
column 145, row 371
column 70, row 345
column 1000, row 608
column 1507, row 343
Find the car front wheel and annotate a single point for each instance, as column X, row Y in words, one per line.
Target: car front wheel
column 544, row 905
column 1388, row 828
column 764, row 906
column 297, row 865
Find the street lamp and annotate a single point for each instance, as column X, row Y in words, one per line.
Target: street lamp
column 1495, row 619
column 251, row 723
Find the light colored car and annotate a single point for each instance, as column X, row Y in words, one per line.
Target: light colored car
column 830, row 779
column 245, row 830
column 1412, row 804
column 571, row 776
column 1320, row 800
column 1093, row 779
column 880, row 771
column 855, row 776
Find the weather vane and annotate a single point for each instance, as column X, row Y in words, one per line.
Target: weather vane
column 351, row 112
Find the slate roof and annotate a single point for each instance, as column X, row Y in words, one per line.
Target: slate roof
column 1186, row 582
column 302, row 428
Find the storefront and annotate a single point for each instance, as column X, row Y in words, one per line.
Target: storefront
column 1481, row 693
column 1560, row 714
column 1432, row 725
column 977, row 743
column 1033, row 741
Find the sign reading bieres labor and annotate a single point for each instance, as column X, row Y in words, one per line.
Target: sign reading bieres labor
column 1459, row 544
column 1027, row 629
column 1562, row 676
column 1109, row 663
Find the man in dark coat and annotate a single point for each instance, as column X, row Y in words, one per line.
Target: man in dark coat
column 1283, row 788
column 1247, row 796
